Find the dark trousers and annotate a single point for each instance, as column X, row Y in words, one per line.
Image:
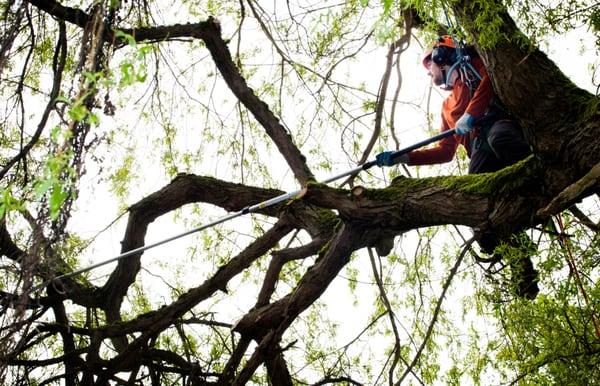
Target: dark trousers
column 504, row 146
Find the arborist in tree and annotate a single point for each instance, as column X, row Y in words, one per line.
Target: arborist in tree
column 483, row 127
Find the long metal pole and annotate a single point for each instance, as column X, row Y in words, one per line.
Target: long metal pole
column 248, row 209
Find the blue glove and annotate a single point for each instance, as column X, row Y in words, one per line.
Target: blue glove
column 464, row 124
column 385, row 159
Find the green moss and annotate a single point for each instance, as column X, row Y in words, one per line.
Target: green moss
column 589, row 104
column 400, row 186
column 336, row 227
column 509, row 178
column 324, row 248
column 486, row 184
column 328, row 218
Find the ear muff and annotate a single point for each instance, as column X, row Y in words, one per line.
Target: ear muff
column 443, row 55
column 444, row 51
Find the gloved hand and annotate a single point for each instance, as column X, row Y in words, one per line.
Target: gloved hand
column 385, row 159
column 464, row 124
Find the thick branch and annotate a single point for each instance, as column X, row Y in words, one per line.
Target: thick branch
column 268, row 324
column 7, row 246
column 72, row 15
column 567, row 197
column 314, row 282
column 278, row 261
column 277, row 370
column 236, row 82
column 153, row 323
column 10, row 300
column 71, row 363
column 210, row 33
column 184, row 189
column 406, row 204
column 49, row 361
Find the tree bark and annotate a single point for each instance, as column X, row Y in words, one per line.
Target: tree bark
column 561, row 123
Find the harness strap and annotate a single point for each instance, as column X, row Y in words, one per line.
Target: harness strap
column 495, row 112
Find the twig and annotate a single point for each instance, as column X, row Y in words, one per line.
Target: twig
column 392, row 315
column 438, row 307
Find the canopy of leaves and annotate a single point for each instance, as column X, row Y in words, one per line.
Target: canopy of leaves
column 126, row 122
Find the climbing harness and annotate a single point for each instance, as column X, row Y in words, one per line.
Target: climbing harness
column 246, row 210
column 449, row 51
column 467, row 72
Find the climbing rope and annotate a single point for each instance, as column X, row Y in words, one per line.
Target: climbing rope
column 564, row 241
column 246, row 210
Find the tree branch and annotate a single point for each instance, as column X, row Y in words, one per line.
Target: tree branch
column 315, row 281
column 282, row 139
column 184, row 189
column 278, row 261
column 210, row 32
column 72, row 15
column 7, row 246
column 151, row 324
column 572, row 193
column 333, row 380
column 436, row 311
column 60, row 55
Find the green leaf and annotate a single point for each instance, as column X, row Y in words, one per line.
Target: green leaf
column 127, row 37
column 93, row 119
column 42, row 187
column 387, row 5
column 8, row 202
column 142, row 74
column 63, row 99
column 78, row 113
column 91, row 77
column 54, row 133
column 127, row 72
column 57, row 198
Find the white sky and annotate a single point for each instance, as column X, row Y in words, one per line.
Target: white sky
column 98, row 208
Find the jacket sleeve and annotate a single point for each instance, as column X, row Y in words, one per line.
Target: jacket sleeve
column 452, row 108
column 441, row 153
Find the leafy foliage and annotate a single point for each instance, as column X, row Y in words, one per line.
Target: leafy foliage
column 148, row 108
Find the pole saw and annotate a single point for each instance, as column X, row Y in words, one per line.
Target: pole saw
column 246, row 210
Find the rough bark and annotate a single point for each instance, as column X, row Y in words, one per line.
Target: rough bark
column 562, row 127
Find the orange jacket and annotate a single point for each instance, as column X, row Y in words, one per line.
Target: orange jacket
column 458, row 102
